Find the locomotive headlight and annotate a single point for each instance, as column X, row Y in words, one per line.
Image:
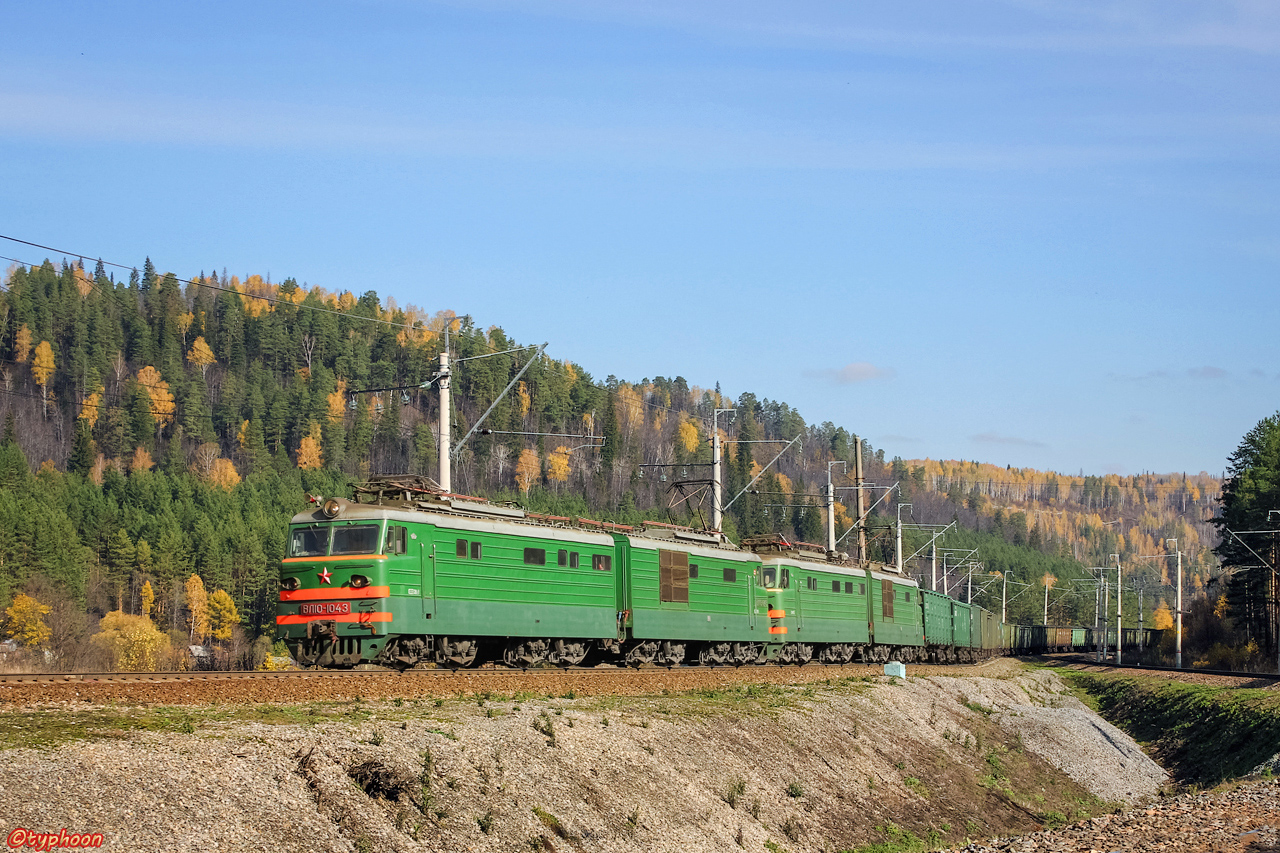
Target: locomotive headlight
column 331, row 507
column 358, row 581
column 290, row 583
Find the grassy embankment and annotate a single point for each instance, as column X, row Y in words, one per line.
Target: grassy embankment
column 1202, row 735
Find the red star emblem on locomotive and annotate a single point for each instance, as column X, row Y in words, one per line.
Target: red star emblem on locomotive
column 325, row 576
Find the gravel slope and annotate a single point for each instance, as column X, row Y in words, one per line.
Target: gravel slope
column 821, row 767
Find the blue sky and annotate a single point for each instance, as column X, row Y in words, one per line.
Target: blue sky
column 1026, row 232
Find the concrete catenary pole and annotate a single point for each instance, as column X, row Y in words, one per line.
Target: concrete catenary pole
column 1004, row 597
column 446, row 478
column 1119, row 612
column 717, row 484
column 862, row 506
column 933, row 577
column 717, row 495
column 1177, row 630
column 831, row 514
column 1097, row 615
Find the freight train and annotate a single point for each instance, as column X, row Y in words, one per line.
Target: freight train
column 403, row 574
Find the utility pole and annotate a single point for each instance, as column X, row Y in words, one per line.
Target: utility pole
column 446, row 478
column 1177, row 635
column 1119, row 612
column 898, row 557
column 831, row 510
column 1141, row 629
column 862, row 508
column 1097, row 613
column 1004, row 597
column 717, row 486
column 933, row 578
column 1046, row 604
column 1106, row 612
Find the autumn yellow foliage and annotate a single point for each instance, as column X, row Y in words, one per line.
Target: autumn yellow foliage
column 1163, row 617
column 223, row 616
column 22, row 344
column 224, row 474
column 24, row 621
column 558, row 464
column 527, row 470
column 309, row 453
column 197, row 609
column 162, row 404
column 91, row 408
column 133, row 642
column 42, row 367
column 687, row 435
column 201, row 355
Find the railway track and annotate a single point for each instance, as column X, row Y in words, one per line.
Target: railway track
column 445, row 673
column 219, row 688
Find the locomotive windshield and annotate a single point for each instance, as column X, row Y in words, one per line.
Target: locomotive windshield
column 356, row 539
column 311, row 540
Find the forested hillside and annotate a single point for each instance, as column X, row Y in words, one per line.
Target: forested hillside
column 159, row 428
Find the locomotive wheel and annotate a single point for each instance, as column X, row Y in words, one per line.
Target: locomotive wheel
column 568, row 652
column 525, row 653
column 458, row 651
column 641, row 653
column 672, row 654
column 713, row 654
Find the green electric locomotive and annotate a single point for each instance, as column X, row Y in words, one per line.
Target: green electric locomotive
column 403, row 576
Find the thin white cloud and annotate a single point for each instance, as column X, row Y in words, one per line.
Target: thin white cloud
column 1005, row 440
column 852, row 373
column 1208, row 372
column 513, row 129
column 1028, row 25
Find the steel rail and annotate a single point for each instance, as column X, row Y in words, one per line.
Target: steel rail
column 443, row 672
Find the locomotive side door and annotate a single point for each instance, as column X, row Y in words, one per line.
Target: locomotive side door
column 427, row 560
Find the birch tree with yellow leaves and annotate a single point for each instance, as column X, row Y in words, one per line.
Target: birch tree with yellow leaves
column 42, row 369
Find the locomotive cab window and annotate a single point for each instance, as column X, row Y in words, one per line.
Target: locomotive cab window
column 356, row 539
column 397, row 539
column 311, row 540
column 786, row 579
column 811, row 583
column 602, row 562
column 769, row 575
column 535, row 556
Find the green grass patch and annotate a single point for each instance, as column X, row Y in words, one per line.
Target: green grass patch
column 46, row 729
column 1203, row 735
column 899, row 840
